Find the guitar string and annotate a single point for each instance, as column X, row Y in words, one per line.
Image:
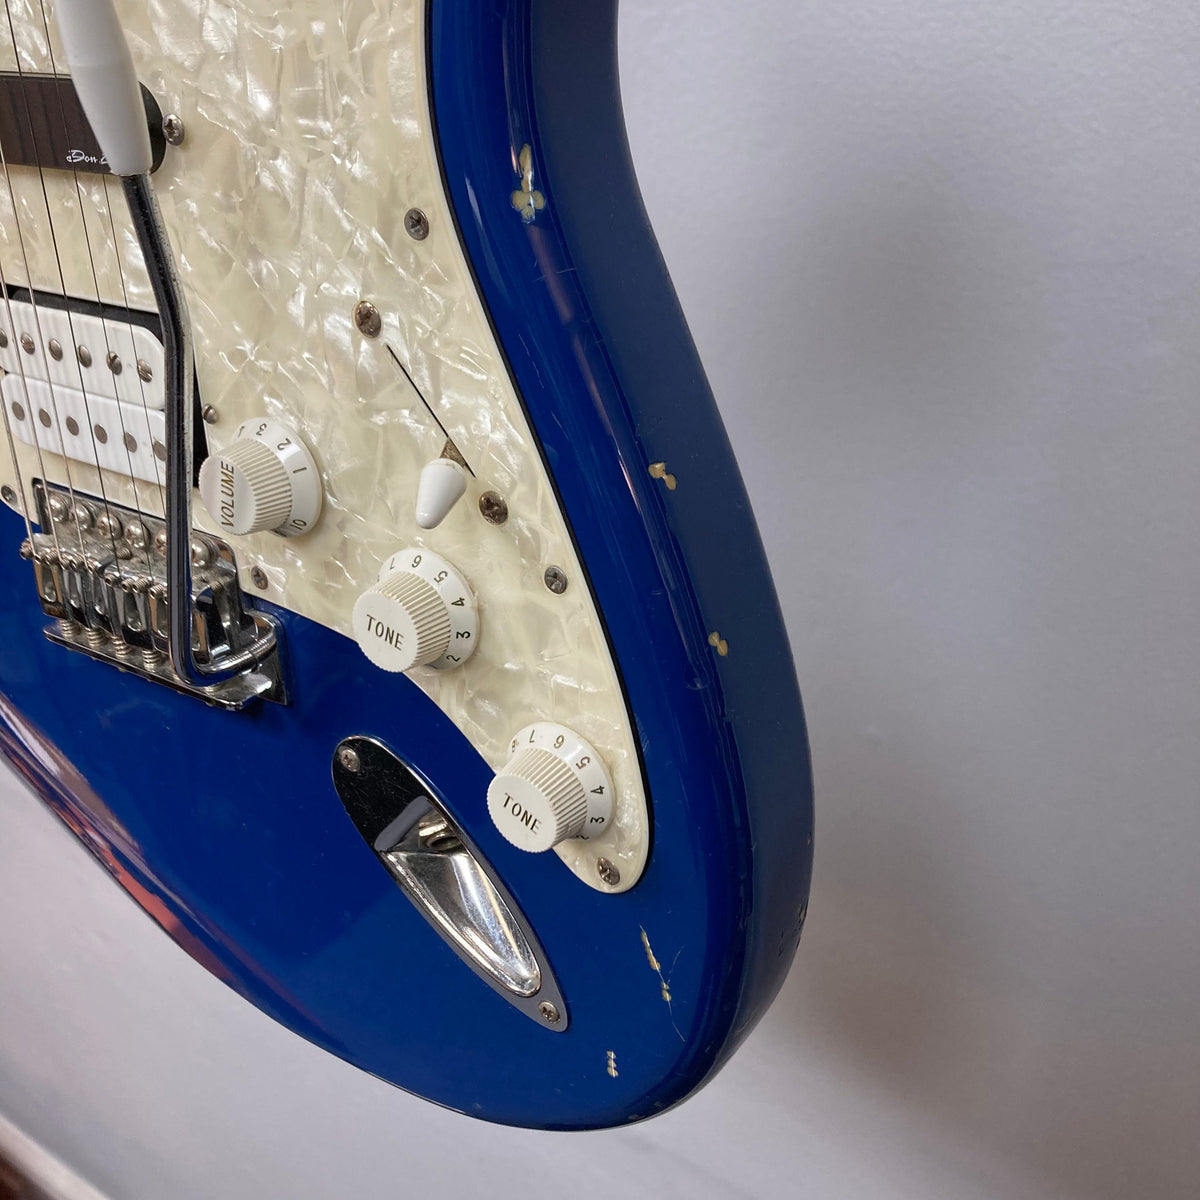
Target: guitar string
column 92, row 425
column 29, row 407
column 108, row 351
column 42, row 343
column 159, row 467
column 112, row 537
column 22, row 495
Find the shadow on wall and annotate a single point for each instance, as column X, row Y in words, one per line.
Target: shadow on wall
column 952, row 871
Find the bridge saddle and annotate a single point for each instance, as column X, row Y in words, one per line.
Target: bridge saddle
column 101, row 572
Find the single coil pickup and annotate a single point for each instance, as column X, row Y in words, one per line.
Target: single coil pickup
column 123, row 438
column 104, row 357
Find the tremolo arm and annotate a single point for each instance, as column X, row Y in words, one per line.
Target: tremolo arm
column 243, row 663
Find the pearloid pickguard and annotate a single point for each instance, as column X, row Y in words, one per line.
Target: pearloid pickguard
column 307, row 139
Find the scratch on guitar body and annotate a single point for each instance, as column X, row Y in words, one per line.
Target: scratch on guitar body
column 663, row 980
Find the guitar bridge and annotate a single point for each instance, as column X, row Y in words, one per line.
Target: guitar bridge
column 101, row 572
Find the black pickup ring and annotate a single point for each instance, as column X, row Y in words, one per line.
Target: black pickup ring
column 42, row 124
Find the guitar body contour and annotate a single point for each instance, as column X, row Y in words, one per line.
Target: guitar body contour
column 531, row 317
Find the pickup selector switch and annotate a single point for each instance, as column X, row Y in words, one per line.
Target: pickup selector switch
column 420, row 612
column 553, row 787
column 266, row 478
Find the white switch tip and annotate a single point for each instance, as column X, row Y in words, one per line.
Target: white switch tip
column 440, row 488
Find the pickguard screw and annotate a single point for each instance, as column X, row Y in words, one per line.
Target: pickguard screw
column 114, row 362
column 3, row 340
column 549, row 1012
column 367, row 318
column 556, row 580
column 144, row 372
column 55, row 348
column 84, row 355
column 493, row 508
column 26, row 343
column 173, row 129
column 416, row 224
column 608, row 872
column 209, row 414
column 348, row 757
column 8, row 495
column 258, row 577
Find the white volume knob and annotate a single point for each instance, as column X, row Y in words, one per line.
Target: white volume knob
column 420, row 612
column 264, row 479
column 554, row 786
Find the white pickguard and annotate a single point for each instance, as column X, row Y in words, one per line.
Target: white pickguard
column 307, row 140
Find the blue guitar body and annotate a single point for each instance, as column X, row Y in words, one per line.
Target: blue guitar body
column 227, row 829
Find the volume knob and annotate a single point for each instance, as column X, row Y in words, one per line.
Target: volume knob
column 264, row 479
column 420, row 612
column 553, row 787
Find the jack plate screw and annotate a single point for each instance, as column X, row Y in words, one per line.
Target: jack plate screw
column 549, row 1012
column 349, row 759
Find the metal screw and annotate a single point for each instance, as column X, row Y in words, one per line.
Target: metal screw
column 85, row 517
column 258, row 577
column 493, row 508
column 55, row 348
column 608, row 872
column 113, row 360
column 549, row 1012
column 556, row 580
column 84, row 355
column 160, row 542
column 348, row 757
column 136, row 534
column 27, row 343
column 204, row 552
column 367, row 318
column 3, row 340
column 172, row 128
column 209, row 414
column 416, row 224
column 8, row 495
column 144, row 372
column 59, row 509
column 108, row 525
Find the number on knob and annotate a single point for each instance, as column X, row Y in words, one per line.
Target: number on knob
column 553, row 787
column 420, row 612
column 264, row 479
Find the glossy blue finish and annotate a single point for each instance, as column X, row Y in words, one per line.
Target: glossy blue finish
column 611, row 380
column 226, row 828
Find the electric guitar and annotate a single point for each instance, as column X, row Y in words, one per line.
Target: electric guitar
column 381, row 602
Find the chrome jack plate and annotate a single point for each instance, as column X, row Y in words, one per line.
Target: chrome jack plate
column 101, row 572
column 451, row 885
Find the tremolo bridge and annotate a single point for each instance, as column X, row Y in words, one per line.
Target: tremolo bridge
column 101, row 573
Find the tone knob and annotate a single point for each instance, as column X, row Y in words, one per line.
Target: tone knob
column 554, row 786
column 420, row 612
column 264, row 479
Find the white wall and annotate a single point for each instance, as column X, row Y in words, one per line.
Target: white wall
column 941, row 261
